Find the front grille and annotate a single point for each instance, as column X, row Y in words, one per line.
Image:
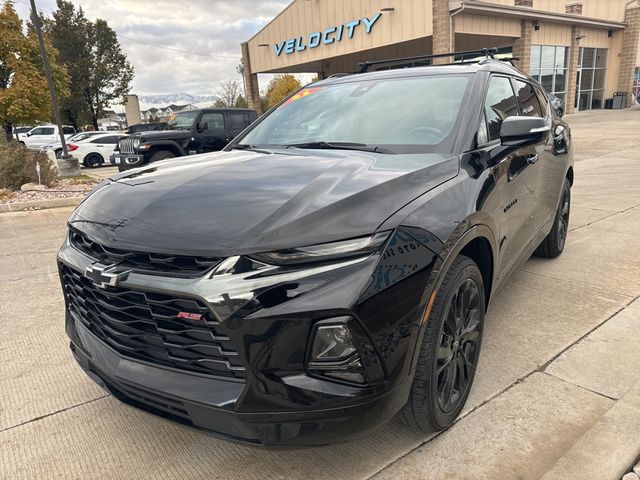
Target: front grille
column 145, row 326
column 142, row 262
column 125, row 145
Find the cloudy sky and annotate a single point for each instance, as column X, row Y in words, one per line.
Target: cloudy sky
column 207, row 33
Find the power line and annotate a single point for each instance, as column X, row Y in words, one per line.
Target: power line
column 148, row 43
column 177, row 49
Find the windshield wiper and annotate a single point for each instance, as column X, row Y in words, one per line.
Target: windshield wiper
column 246, row 146
column 363, row 147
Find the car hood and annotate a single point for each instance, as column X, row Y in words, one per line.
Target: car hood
column 163, row 134
column 239, row 202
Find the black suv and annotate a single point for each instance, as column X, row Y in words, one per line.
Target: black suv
column 329, row 269
column 188, row 132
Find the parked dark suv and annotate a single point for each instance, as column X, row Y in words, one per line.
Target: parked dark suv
column 188, row 132
column 332, row 266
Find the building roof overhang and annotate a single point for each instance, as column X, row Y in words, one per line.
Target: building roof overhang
column 485, row 8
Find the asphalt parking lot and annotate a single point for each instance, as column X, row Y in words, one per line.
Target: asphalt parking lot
column 556, row 388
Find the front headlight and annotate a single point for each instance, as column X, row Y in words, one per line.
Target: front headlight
column 136, row 142
column 325, row 252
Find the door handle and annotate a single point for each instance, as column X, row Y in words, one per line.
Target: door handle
column 531, row 159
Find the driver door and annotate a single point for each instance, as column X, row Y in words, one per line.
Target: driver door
column 213, row 132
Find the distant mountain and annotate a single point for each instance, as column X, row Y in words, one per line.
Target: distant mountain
column 175, row 98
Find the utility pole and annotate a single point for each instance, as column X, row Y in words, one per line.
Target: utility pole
column 52, row 91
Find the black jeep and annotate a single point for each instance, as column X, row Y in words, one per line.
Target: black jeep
column 190, row 132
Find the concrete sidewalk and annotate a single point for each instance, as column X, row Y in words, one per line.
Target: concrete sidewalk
column 556, row 379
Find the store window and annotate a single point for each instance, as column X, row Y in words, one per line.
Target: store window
column 549, row 66
column 592, row 67
column 636, row 85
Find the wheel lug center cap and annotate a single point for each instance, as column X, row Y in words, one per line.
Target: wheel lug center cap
column 456, row 344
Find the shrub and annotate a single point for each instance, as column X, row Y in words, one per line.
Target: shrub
column 18, row 166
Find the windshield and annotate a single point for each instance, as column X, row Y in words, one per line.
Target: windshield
column 182, row 120
column 399, row 115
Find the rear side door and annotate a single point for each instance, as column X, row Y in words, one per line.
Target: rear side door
column 238, row 121
column 213, row 132
column 514, row 179
column 105, row 145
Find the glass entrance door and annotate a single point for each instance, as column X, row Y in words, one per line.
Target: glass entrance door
column 592, row 68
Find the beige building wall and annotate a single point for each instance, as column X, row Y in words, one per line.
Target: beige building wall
column 602, row 9
column 411, row 19
column 483, row 25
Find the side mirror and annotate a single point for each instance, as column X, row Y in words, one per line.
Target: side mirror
column 201, row 127
column 28, row 134
column 521, row 131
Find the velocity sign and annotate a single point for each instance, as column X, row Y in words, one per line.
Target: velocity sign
column 325, row 37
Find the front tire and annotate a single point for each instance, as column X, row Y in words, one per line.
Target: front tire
column 449, row 351
column 553, row 244
column 161, row 155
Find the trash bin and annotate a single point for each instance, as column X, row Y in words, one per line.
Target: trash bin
column 608, row 103
column 619, row 100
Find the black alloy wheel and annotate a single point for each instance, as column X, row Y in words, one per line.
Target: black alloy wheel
column 450, row 349
column 458, row 346
column 93, row 160
column 553, row 244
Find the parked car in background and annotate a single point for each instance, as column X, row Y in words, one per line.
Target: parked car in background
column 332, row 266
column 46, row 135
column 93, row 150
column 557, row 103
column 56, row 148
column 147, row 127
column 190, row 132
column 19, row 133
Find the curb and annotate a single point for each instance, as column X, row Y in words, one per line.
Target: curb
column 40, row 204
column 609, row 449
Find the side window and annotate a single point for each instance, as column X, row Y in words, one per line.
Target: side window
column 43, row 131
column 500, row 104
column 529, row 104
column 68, row 130
column 239, row 120
column 214, row 121
column 483, row 136
column 544, row 102
column 113, row 139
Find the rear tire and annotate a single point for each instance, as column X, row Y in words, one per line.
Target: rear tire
column 161, row 155
column 553, row 244
column 450, row 350
column 93, row 160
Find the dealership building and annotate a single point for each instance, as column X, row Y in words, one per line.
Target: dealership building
column 583, row 51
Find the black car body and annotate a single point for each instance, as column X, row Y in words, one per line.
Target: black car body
column 296, row 294
column 187, row 132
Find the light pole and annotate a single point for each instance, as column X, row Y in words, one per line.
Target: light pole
column 71, row 166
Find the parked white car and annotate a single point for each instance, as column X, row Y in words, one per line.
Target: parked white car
column 46, row 135
column 93, row 150
column 78, row 137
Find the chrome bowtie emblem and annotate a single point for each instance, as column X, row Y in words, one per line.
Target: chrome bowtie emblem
column 102, row 275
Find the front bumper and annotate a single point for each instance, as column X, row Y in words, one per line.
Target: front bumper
column 126, row 160
column 203, row 403
column 268, row 318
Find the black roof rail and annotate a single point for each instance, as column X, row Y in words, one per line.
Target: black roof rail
column 463, row 57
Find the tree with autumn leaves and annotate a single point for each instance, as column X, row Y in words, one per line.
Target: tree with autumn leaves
column 24, row 96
